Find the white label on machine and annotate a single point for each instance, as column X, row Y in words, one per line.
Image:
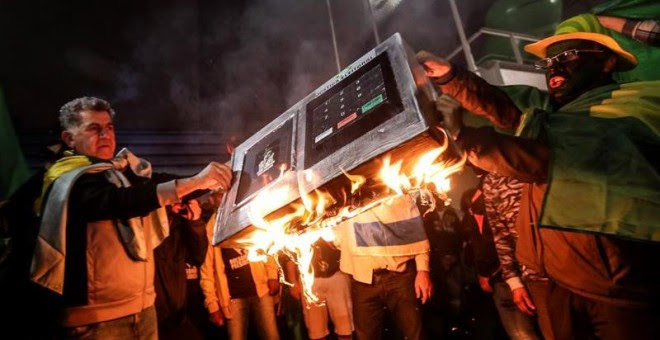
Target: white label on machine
column 324, row 134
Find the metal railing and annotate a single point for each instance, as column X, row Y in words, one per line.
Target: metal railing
column 514, row 40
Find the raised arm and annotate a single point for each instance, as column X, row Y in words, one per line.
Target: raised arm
column 474, row 93
column 97, row 199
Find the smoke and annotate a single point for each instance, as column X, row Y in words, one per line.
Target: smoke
column 429, row 25
column 243, row 93
column 128, row 84
column 158, row 85
column 274, row 57
column 231, row 68
column 305, row 75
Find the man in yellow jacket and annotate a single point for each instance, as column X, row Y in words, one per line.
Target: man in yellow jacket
column 236, row 290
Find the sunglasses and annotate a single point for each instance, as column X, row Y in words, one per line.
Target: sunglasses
column 563, row 57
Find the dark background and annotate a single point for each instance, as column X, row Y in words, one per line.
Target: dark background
column 215, row 66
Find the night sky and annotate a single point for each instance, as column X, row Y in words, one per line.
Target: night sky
column 228, row 67
column 225, row 66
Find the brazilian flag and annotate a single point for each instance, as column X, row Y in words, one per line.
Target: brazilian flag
column 13, row 167
column 604, row 173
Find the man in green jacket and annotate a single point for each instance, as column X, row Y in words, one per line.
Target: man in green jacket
column 586, row 154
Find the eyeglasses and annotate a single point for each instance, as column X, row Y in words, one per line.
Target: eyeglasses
column 563, row 57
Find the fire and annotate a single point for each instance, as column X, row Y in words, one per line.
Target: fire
column 356, row 181
column 319, row 211
column 277, row 234
column 393, row 178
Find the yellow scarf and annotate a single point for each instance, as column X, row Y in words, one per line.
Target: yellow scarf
column 69, row 162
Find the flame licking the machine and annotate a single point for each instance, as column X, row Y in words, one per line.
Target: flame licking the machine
column 319, row 211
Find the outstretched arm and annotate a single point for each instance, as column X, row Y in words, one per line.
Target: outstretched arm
column 95, row 198
column 646, row 31
column 474, row 93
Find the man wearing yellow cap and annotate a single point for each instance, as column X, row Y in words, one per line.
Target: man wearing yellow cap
column 577, row 60
column 586, row 155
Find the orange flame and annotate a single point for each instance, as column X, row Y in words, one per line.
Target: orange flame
column 357, row 181
column 296, row 232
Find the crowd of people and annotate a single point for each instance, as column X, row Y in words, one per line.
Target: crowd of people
column 557, row 241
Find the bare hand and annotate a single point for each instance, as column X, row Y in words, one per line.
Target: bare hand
column 215, row 176
column 217, row 318
column 423, row 286
column 435, row 66
column 484, row 283
column 189, row 210
column 273, row 287
column 524, row 302
column 452, row 114
column 295, row 291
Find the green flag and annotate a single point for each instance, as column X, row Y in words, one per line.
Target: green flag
column 648, row 56
column 603, row 175
column 13, row 168
column 632, row 9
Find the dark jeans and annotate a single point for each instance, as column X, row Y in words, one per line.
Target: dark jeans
column 191, row 323
column 142, row 325
column 392, row 292
column 571, row 316
column 518, row 325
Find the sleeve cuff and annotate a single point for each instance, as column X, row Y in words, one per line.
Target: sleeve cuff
column 167, row 193
column 447, row 77
column 514, row 283
column 422, row 262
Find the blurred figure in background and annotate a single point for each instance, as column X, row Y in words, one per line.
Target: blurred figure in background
column 476, row 222
column 332, row 287
column 291, row 320
column 239, row 293
column 19, row 225
column 177, row 260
